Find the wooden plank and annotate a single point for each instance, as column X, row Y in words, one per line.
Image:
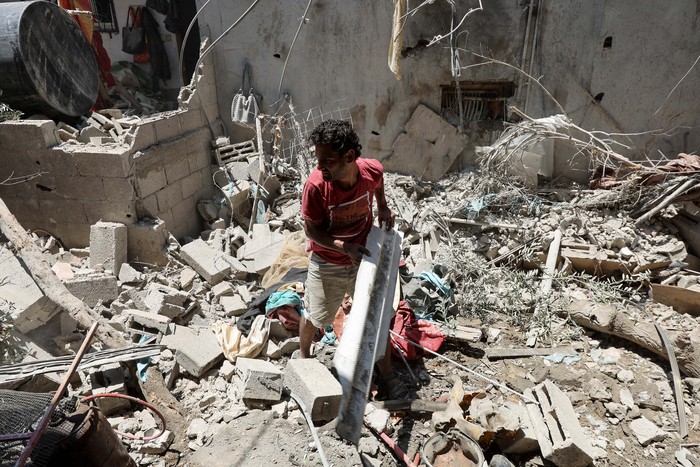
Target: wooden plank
column 460, row 333
column 683, row 300
column 497, row 353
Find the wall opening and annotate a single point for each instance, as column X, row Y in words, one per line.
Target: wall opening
column 607, row 42
column 599, row 97
column 481, row 100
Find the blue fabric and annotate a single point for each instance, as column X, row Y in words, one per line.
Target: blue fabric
column 286, row 297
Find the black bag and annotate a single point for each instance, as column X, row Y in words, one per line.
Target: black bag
column 133, row 34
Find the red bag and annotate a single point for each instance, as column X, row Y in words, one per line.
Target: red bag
column 145, row 55
column 420, row 331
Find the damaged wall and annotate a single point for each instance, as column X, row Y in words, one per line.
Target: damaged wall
column 158, row 168
column 341, row 53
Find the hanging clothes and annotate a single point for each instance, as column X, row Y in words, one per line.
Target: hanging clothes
column 396, row 43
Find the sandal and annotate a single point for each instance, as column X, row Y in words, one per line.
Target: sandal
column 391, row 387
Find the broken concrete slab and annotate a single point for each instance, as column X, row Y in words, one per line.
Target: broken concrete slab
column 263, row 248
column 147, row 242
column 258, row 380
column 313, row 383
column 561, row 438
column 233, row 305
column 212, row 265
column 29, row 307
column 129, row 275
column 646, row 431
column 428, row 148
column 195, row 352
column 165, row 300
column 94, row 288
column 148, row 319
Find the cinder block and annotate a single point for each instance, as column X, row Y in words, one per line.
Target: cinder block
column 165, row 300
column 119, row 189
column 169, row 196
column 103, row 164
column 190, row 120
column 150, row 181
column 145, row 136
column 177, row 170
column 314, row 384
column 148, row 319
column 62, row 211
column 259, row 380
column 191, row 184
column 560, row 436
column 108, row 245
column 122, row 210
column 109, row 378
column 167, row 128
column 94, row 288
column 185, row 210
column 28, row 134
column 222, row 289
column 29, row 307
column 147, row 242
column 209, row 263
column 201, row 353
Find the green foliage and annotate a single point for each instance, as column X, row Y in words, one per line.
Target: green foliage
column 10, row 350
column 6, row 113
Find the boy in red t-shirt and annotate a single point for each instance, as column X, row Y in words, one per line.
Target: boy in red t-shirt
column 337, row 211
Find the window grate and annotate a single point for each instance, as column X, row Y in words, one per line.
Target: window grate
column 104, row 15
column 480, row 100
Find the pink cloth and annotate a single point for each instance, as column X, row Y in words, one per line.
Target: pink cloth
column 420, row 331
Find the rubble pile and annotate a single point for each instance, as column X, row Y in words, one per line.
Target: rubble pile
column 588, row 391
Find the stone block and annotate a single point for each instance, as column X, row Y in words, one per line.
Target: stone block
column 559, row 434
column 314, row 384
column 165, row 300
column 109, row 378
column 108, row 245
column 201, row 353
column 209, row 263
column 263, row 248
column 148, row 319
column 259, row 380
column 147, row 242
column 233, row 305
column 94, row 288
column 29, row 307
column 222, row 289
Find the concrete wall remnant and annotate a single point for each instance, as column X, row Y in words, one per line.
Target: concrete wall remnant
column 158, row 169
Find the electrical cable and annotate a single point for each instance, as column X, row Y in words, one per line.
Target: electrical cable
column 284, row 68
column 138, row 401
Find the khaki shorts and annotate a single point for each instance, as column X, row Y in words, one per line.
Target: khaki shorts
column 326, row 285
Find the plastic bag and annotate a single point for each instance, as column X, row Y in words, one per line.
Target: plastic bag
column 133, row 34
column 245, row 109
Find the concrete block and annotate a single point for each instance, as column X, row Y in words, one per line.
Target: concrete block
column 262, row 249
column 80, row 188
column 29, row 307
column 227, row 370
column 147, row 242
column 150, row 181
column 108, row 245
column 165, row 300
column 233, row 305
column 167, row 128
column 646, row 431
column 106, row 379
column 145, row 136
column 222, row 289
column 119, row 188
column 560, row 436
column 122, row 211
column 169, row 196
column 28, row 134
column 314, row 384
column 200, row 354
column 191, row 184
column 179, row 337
column 92, row 162
column 177, row 170
column 238, row 194
column 259, row 380
column 63, row 270
column 94, row 288
column 129, row 275
column 209, row 263
column 187, row 277
column 148, row 319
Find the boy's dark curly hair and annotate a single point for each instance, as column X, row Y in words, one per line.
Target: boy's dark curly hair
column 339, row 134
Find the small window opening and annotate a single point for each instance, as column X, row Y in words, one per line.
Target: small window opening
column 104, row 16
column 375, row 133
column 481, row 100
column 277, row 55
column 599, row 97
column 607, row 43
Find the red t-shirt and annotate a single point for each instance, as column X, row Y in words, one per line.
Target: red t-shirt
column 346, row 215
